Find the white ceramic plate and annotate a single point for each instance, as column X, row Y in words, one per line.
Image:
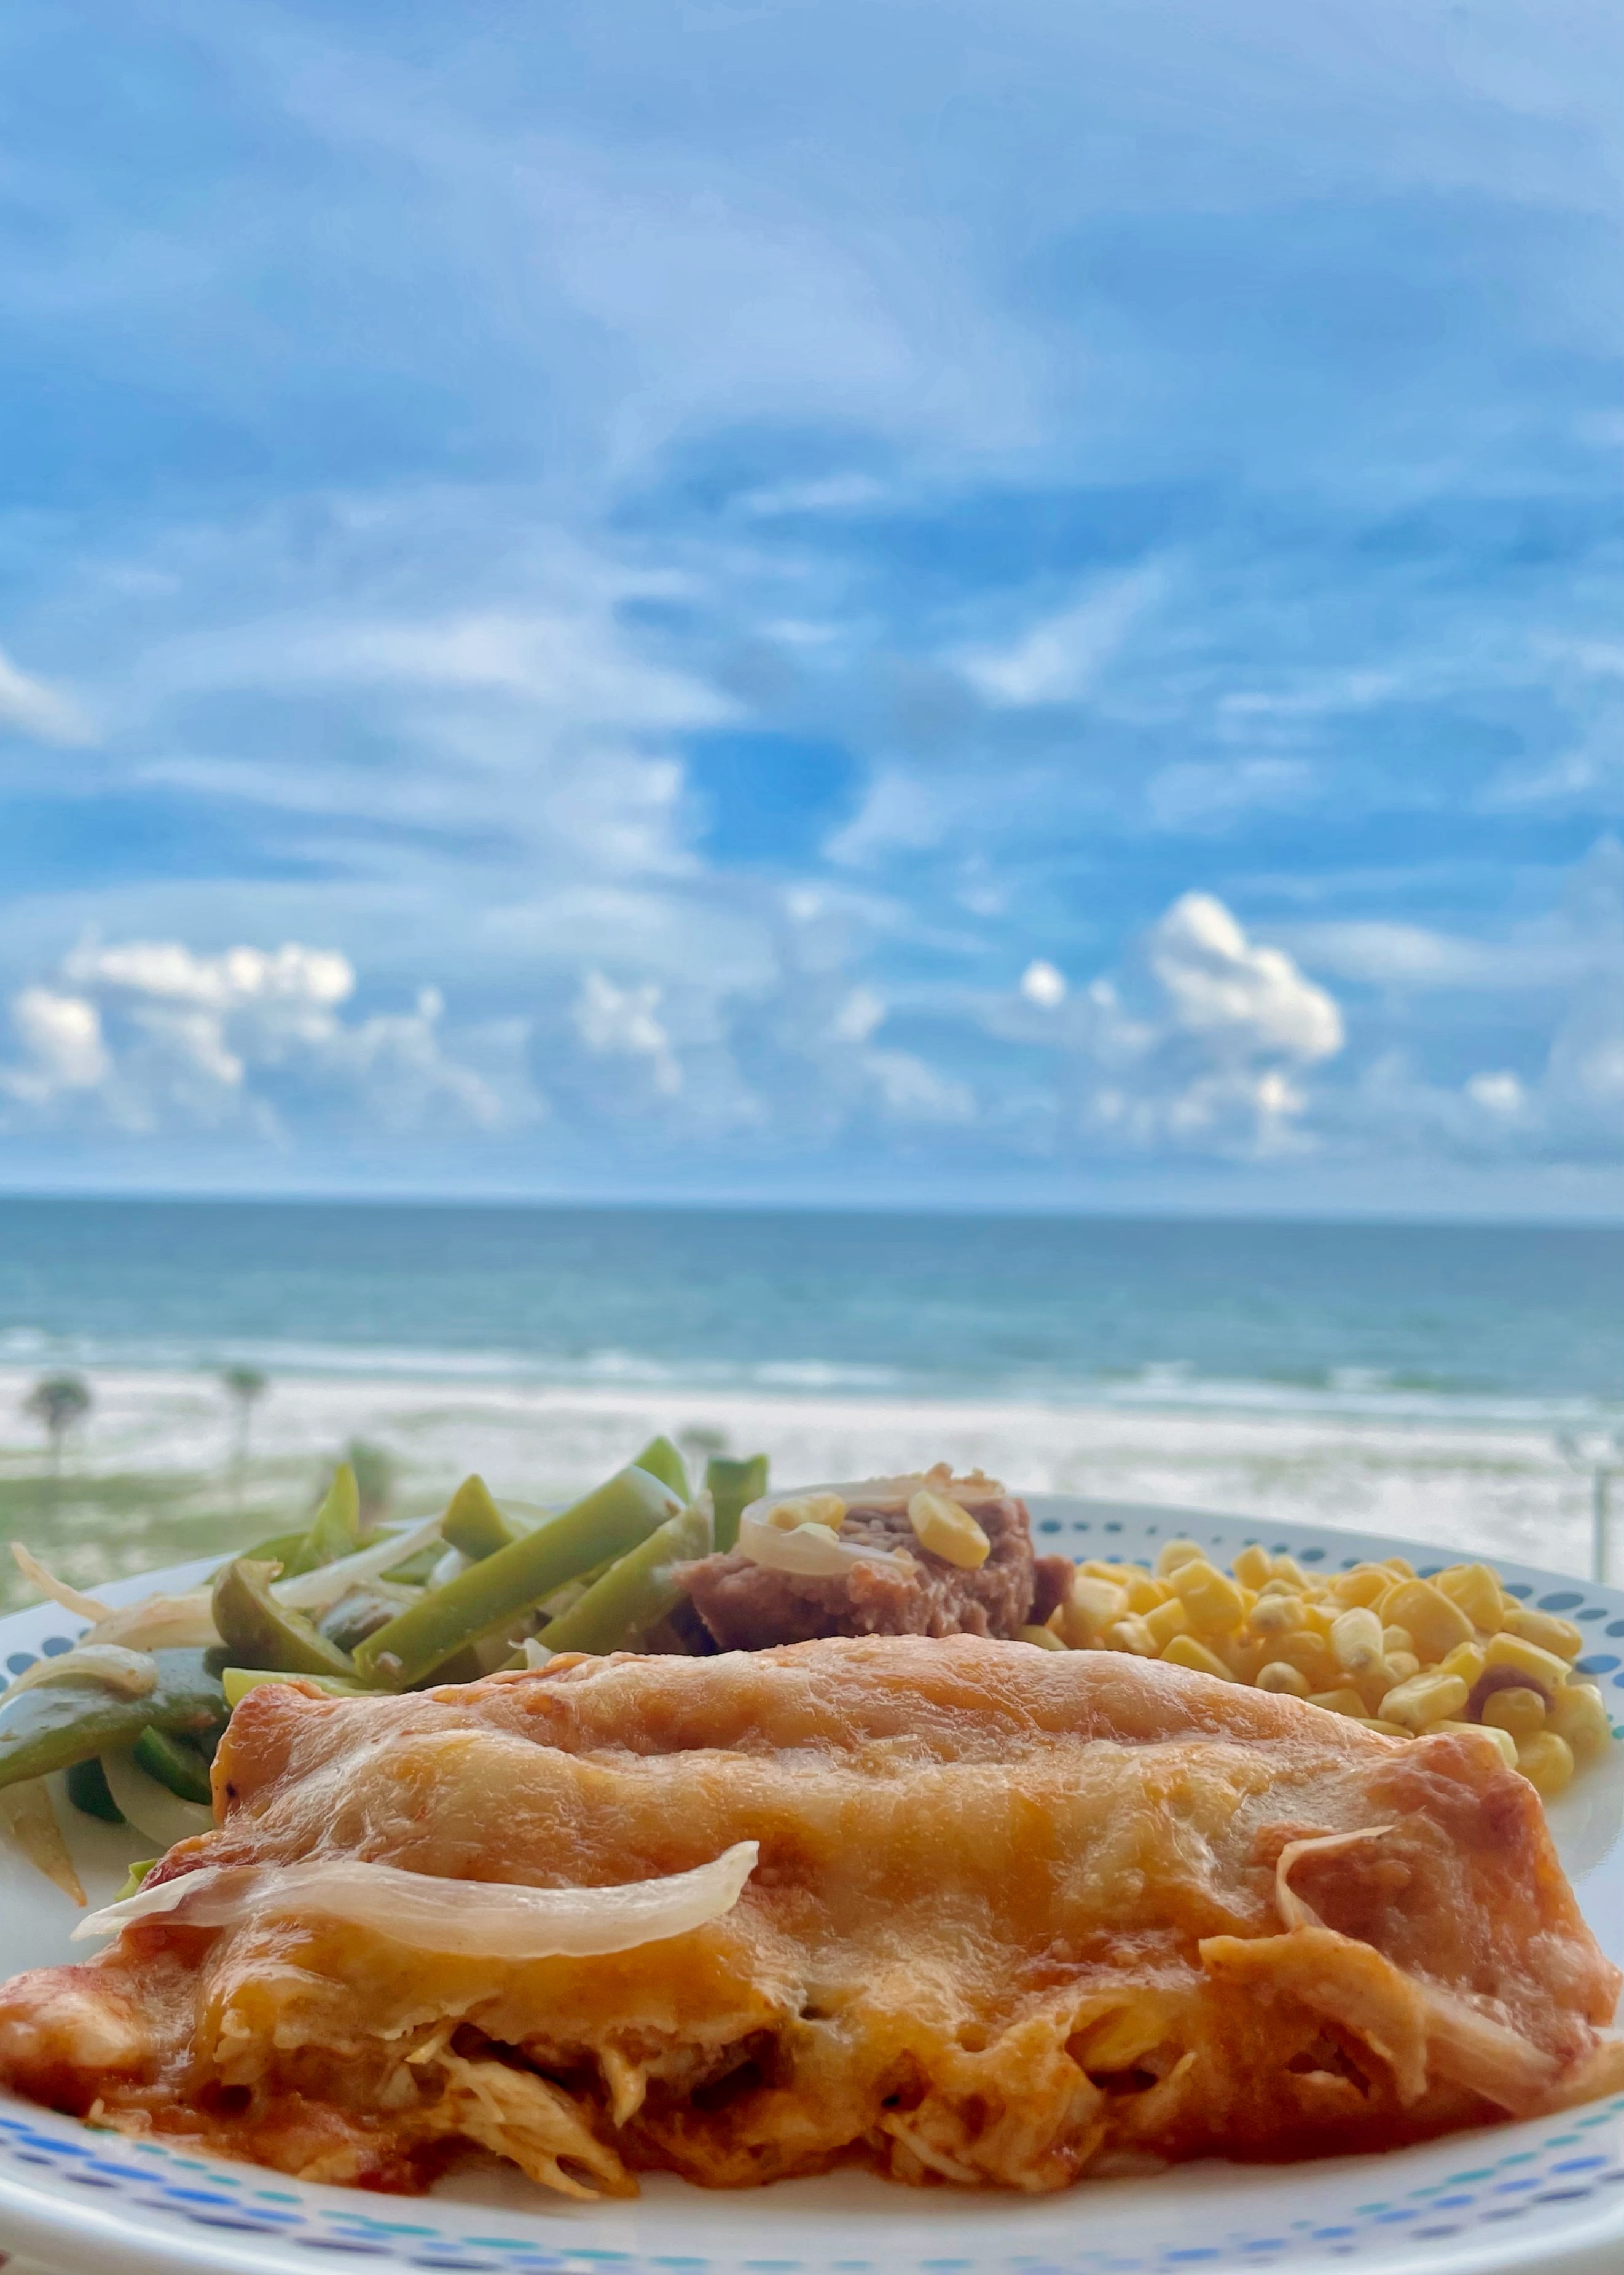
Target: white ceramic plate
column 1547, row 2197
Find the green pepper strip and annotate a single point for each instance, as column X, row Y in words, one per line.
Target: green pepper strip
column 662, row 1460
column 174, row 1763
column 336, row 1530
column 239, row 1681
column 733, row 1485
column 90, row 1794
column 474, row 1524
column 614, row 1518
column 258, row 1631
column 58, row 1724
column 635, row 1594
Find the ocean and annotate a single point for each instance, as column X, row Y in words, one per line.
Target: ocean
column 1416, row 1378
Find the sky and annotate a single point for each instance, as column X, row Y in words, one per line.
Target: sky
column 1008, row 605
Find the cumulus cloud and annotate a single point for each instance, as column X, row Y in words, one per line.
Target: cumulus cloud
column 624, row 1022
column 152, row 1035
column 37, row 712
column 1239, row 996
column 1043, row 984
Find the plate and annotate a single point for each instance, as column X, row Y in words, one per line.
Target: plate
column 1547, row 2197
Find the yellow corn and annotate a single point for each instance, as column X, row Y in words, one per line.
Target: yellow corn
column 1543, row 1669
column 1382, row 1729
column 1177, row 1553
column 1521, row 1712
column 1395, row 1638
column 1185, row 1651
column 1476, row 1589
column 1503, row 1738
column 1580, row 1715
column 1089, row 1609
column 1275, row 1615
column 1282, row 1676
column 1366, row 1583
column 1045, row 1639
column 1466, row 1660
column 1343, row 1700
column 1288, row 1569
column 1424, row 1699
column 1435, row 1622
column 1560, row 1637
column 1252, row 1567
column 1401, row 1664
column 1401, row 1565
column 948, row 1530
column 1546, row 1761
column 808, row 1508
column 1214, row 1603
column 1310, row 1653
column 1356, row 1639
column 1166, row 1620
column 1146, row 1592
column 1132, row 1635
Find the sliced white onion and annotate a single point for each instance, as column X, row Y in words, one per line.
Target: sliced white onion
column 810, row 1551
column 536, row 1654
column 131, row 1673
column 467, row 1919
column 896, row 1493
column 448, row 1568
column 87, row 1607
column 162, row 1816
column 162, row 1623
column 315, row 1592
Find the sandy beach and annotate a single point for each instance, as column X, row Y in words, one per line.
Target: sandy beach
column 149, row 1477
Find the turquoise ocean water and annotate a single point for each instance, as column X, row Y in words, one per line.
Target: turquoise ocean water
column 1504, row 1322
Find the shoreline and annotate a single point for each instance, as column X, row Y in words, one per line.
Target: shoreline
column 1495, row 1488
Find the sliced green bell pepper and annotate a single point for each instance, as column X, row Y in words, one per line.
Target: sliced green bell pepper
column 733, row 1485
column 635, row 1594
column 56, row 1724
column 257, row 1630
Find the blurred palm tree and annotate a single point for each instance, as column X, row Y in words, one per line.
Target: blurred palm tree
column 244, row 1385
column 59, row 1401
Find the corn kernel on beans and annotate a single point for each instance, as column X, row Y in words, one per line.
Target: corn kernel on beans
column 1397, row 1653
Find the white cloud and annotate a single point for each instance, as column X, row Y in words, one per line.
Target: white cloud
column 623, row 1023
column 911, row 1091
column 1500, row 1094
column 1058, row 658
column 1043, row 984
column 1238, row 996
column 41, row 713
column 155, row 1036
column 61, row 1036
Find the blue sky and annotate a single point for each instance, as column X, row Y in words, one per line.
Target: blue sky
column 883, row 601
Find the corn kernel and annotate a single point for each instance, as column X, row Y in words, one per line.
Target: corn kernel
column 1252, row 1567
column 1310, row 1653
column 1166, row 1620
column 1466, row 1660
column 1579, row 1714
column 1424, row 1699
column 1382, row 1729
column 1096, row 1567
column 1342, row 1700
column 1401, row 1664
column 1145, row 1592
column 1275, row 1615
column 1090, row 1607
column 948, row 1530
column 1366, row 1583
column 1560, row 1637
column 1546, row 1761
column 1356, row 1639
column 1395, row 1638
column 1278, row 1587
column 1503, row 1738
column 1476, row 1589
column 1177, row 1552
column 1045, row 1639
column 1288, row 1569
column 1242, row 1654
column 1320, row 1618
column 1214, row 1603
column 1436, row 1621
column 808, row 1508
column 1132, row 1635
column 1401, row 1565
column 1185, row 1651
column 1543, row 1669
column 1521, row 1712
column 1289, row 1681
